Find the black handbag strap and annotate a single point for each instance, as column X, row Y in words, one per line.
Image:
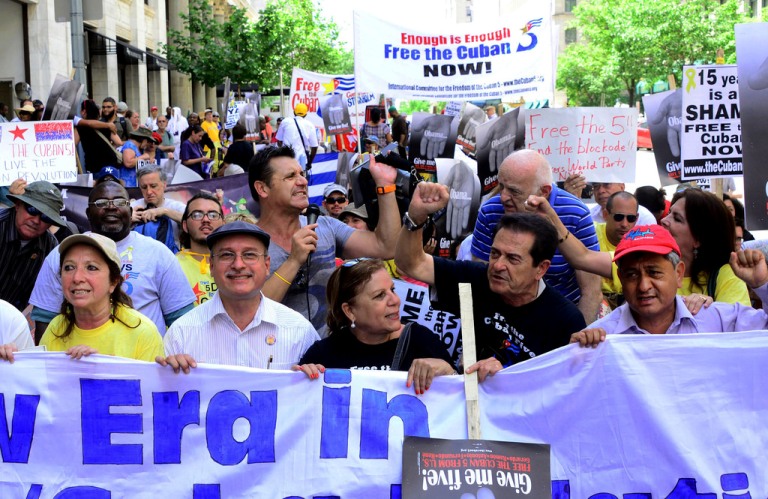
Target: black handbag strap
column 402, row 347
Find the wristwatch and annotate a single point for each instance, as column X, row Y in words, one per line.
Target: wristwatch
column 386, row 190
column 412, row 226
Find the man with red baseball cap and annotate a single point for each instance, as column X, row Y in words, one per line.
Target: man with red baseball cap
column 650, row 270
column 151, row 122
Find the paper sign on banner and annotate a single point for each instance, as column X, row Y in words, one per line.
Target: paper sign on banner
column 711, row 136
column 437, row 468
column 510, row 59
column 38, row 150
column 597, row 142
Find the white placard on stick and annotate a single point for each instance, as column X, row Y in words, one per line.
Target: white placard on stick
column 710, row 146
column 37, row 150
column 598, row 142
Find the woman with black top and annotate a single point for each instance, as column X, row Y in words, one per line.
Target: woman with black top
column 366, row 333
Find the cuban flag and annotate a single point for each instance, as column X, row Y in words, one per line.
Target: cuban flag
column 322, row 173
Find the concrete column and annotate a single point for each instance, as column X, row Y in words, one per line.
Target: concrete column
column 50, row 51
column 181, row 87
column 198, row 97
column 104, row 71
column 210, row 98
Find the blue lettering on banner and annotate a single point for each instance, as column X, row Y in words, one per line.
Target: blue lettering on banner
column 685, row 488
column 83, row 492
column 98, row 424
column 170, row 419
column 374, row 428
column 228, row 406
column 16, row 443
column 334, row 434
column 206, row 491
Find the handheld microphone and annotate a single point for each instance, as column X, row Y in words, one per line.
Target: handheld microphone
column 313, row 211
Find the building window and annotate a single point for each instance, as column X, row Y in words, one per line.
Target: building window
column 570, row 36
column 569, row 5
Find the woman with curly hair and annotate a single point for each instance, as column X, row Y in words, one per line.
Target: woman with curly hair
column 97, row 315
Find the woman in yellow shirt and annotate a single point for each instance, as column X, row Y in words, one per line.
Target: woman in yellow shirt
column 704, row 229
column 97, row 316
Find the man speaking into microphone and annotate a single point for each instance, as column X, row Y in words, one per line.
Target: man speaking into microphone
column 278, row 184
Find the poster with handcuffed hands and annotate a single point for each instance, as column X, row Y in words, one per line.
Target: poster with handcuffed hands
column 432, row 136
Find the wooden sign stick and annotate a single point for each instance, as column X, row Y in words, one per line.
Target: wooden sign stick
column 469, row 355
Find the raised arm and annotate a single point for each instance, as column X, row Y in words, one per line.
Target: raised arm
column 381, row 242
column 574, row 251
column 410, row 257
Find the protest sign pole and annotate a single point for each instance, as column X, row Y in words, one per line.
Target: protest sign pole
column 357, row 123
column 469, row 357
column 717, row 183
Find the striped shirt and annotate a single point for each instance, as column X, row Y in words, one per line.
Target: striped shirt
column 574, row 215
column 276, row 338
column 20, row 263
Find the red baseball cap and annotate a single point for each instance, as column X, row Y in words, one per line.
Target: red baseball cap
column 154, row 108
column 648, row 238
column 157, row 138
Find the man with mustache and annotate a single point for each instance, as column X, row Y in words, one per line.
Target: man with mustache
column 201, row 217
column 153, row 277
column 621, row 216
column 239, row 326
column 526, row 172
column 517, row 316
column 304, row 255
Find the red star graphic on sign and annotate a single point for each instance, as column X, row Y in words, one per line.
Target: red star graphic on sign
column 18, row 133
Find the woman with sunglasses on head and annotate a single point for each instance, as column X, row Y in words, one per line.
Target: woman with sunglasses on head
column 366, row 333
column 703, row 229
column 97, row 316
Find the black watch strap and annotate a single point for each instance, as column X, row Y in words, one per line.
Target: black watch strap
column 412, row 226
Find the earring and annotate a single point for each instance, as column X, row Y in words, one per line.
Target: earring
column 352, row 326
column 695, row 253
column 112, row 312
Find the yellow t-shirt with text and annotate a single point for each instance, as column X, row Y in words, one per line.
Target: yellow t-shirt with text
column 133, row 336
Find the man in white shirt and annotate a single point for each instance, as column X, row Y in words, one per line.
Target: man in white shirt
column 299, row 134
column 239, row 326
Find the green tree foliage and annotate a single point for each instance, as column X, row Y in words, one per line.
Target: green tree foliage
column 208, row 50
column 625, row 41
column 288, row 33
column 293, row 33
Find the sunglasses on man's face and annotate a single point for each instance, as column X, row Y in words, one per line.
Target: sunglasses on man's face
column 35, row 213
column 339, row 200
column 619, row 217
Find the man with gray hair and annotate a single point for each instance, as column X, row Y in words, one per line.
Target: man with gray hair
column 154, row 207
column 651, row 271
column 24, row 237
column 524, row 173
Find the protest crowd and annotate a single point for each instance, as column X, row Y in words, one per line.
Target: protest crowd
column 307, row 288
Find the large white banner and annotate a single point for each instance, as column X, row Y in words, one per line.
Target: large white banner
column 646, row 417
column 510, row 59
column 314, row 88
column 597, row 142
